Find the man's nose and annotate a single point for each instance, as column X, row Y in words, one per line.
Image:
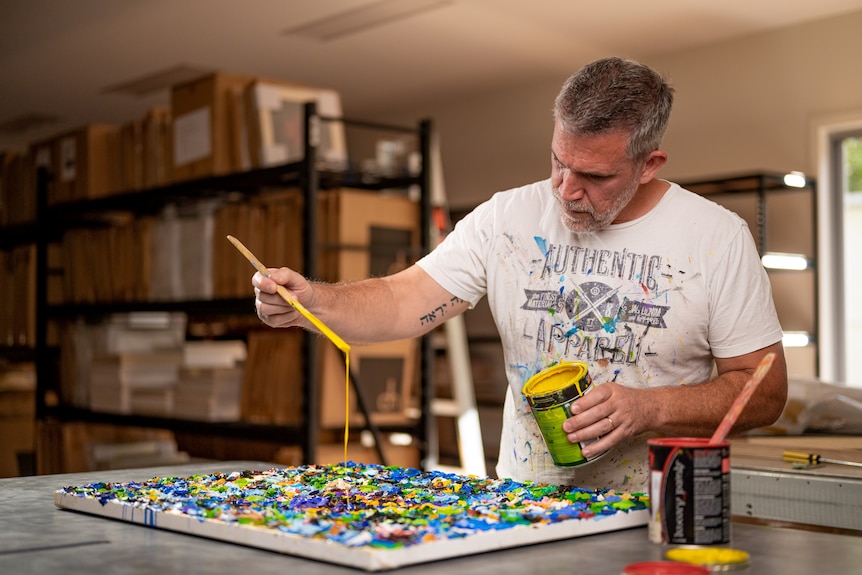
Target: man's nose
column 571, row 186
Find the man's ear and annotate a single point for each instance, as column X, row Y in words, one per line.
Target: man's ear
column 654, row 162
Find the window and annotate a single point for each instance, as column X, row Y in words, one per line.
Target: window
column 850, row 189
column 839, row 208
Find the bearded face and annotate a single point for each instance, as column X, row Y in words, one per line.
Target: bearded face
column 593, row 179
column 582, row 216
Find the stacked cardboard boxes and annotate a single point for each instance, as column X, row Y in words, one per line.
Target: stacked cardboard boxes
column 17, row 296
column 135, row 382
column 17, row 189
column 210, row 381
column 272, row 387
column 271, row 227
column 204, row 133
column 126, row 364
column 17, row 412
column 226, row 123
column 73, row 447
column 366, row 234
column 217, row 124
column 85, row 163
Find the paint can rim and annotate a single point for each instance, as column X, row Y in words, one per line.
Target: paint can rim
column 572, row 388
column 714, row 558
column 664, row 568
column 699, row 442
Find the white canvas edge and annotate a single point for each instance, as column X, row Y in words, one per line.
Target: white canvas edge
column 366, row 558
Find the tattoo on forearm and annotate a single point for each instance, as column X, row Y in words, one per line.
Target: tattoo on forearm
column 432, row 316
column 438, row 312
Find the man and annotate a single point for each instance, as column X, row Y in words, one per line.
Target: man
column 659, row 290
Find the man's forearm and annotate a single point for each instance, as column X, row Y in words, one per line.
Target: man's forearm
column 697, row 410
column 401, row 306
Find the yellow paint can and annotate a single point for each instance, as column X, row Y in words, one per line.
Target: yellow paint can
column 550, row 394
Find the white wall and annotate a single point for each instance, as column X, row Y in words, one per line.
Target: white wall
column 741, row 106
column 744, row 105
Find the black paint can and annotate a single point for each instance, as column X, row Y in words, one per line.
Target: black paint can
column 689, row 491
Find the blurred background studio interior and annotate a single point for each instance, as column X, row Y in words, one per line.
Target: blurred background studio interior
column 343, row 138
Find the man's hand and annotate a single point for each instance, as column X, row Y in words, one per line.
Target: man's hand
column 610, row 410
column 616, row 412
column 271, row 307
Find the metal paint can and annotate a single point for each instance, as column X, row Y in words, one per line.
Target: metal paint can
column 550, row 394
column 664, row 568
column 689, row 491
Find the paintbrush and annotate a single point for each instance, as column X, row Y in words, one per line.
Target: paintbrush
column 285, row 295
column 742, row 399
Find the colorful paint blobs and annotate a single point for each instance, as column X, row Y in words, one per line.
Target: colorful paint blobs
column 363, row 504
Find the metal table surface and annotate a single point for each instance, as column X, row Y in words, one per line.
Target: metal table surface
column 37, row 537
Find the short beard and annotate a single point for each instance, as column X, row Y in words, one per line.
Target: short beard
column 595, row 221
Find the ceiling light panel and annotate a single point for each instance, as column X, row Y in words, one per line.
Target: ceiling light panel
column 363, row 18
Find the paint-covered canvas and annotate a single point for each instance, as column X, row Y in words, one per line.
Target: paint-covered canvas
column 361, row 515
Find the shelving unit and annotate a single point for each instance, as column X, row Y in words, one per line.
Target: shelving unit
column 304, row 175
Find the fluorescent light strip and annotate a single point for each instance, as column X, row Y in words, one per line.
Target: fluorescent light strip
column 794, row 180
column 363, row 18
column 781, row 261
column 796, row 339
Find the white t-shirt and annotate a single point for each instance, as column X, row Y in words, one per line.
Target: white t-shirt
column 645, row 303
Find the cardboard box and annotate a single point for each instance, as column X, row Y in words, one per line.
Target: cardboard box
column 17, row 296
column 17, row 428
column 42, row 155
column 274, row 113
column 365, row 234
column 272, row 390
column 386, row 373
column 85, row 163
column 157, row 147
column 17, row 188
column 270, row 226
column 131, row 176
column 108, row 264
column 65, row 447
column 204, row 139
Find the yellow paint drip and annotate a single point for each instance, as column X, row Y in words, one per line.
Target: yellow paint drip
column 346, row 400
column 322, row 327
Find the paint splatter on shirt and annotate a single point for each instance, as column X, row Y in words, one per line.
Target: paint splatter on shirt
column 645, row 303
column 363, row 504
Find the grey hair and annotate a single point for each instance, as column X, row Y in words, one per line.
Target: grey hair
column 615, row 94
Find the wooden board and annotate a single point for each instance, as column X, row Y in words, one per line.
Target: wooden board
column 365, row 516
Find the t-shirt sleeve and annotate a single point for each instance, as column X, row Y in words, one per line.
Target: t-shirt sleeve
column 742, row 316
column 458, row 263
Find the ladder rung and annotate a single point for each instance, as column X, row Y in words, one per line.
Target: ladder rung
column 445, row 407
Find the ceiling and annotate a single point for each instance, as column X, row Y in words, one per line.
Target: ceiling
column 62, row 62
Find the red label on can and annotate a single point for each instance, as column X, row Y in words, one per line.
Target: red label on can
column 689, row 491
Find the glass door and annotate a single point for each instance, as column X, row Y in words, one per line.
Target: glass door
column 847, row 170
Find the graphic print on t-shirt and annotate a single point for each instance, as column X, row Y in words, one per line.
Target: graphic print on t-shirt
column 604, row 304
